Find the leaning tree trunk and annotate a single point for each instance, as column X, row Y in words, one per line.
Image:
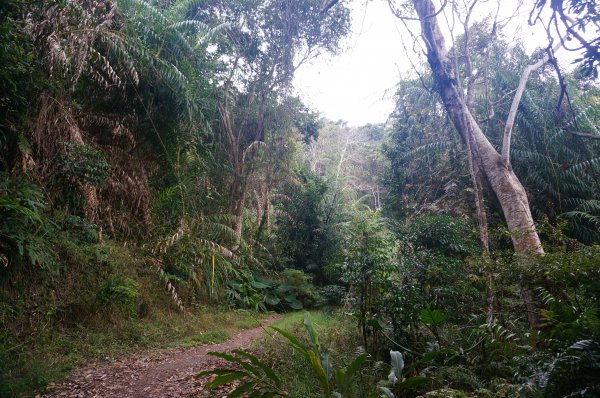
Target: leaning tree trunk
column 499, row 173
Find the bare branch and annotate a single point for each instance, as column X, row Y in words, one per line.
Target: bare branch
column 583, row 135
column 413, row 66
column 471, row 77
column 398, row 15
column 515, row 104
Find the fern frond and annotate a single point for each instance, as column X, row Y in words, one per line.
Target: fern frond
column 593, row 164
column 197, row 26
column 434, row 146
column 144, row 9
column 210, row 33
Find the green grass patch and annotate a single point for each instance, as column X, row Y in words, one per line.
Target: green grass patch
column 320, row 319
column 246, row 322
column 212, row 336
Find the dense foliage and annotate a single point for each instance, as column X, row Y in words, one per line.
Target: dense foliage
column 155, row 160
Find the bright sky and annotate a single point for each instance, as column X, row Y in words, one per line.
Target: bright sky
column 358, row 85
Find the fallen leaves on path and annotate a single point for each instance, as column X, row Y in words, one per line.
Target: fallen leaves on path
column 170, row 373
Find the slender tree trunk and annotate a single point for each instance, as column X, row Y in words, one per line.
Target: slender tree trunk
column 239, row 190
column 237, row 155
column 482, row 225
column 479, row 203
column 502, row 179
column 263, row 209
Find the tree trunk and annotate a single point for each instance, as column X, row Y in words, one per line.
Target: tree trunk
column 237, row 155
column 502, row 179
column 239, row 189
column 479, row 203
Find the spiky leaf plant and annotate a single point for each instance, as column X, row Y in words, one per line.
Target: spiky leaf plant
column 575, row 372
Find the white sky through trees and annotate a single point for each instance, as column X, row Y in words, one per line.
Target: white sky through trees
column 357, row 86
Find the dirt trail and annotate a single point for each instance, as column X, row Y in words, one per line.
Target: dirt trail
column 170, row 373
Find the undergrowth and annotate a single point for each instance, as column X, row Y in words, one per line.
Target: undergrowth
column 337, row 332
column 105, row 303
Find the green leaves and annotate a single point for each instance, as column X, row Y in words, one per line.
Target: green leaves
column 224, row 378
column 260, row 285
column 272, row 299
column 396, row 381
column 344, row 377
column 333, row 382
column 387, row 393
column 294, row 303
column 84, row 164
column 319, row 362
column 432, row 317
column 312, row 334
column 119, row 289
column 263, row 294
column 24, row 228
column 265, row 368
column 258, row 378
column 317, row 367
column 160, row 39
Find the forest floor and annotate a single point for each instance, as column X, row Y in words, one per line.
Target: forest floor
column 165, row 373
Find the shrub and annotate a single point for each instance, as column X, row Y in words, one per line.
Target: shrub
column 575, row 372
column 331, row 295
column 24, row 228
column 452, row 236
column 119, row 289
column 301, row 285
column 84, row 164
column 569, row 286
column 295, row 292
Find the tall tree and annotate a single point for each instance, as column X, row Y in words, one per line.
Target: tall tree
column 267, row 42
column 559, row 170
column 495, row 166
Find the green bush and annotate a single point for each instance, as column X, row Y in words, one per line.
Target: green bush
column 452, row 236
column 331, row 295
column 568, row 284
column 25, row 230
column 119, row 289
column 84, row 164
column 575, row 372
column 301, row 285
column 295, row 292
column 80, row 230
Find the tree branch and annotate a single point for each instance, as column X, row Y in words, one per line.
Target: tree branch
column 398, row 15
column 515, row 104
column 326, row 5
column 584, row 135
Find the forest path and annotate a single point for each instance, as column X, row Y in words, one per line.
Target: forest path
column 168, row 373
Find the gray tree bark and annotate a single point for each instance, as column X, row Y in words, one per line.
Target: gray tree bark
column 498, row 172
